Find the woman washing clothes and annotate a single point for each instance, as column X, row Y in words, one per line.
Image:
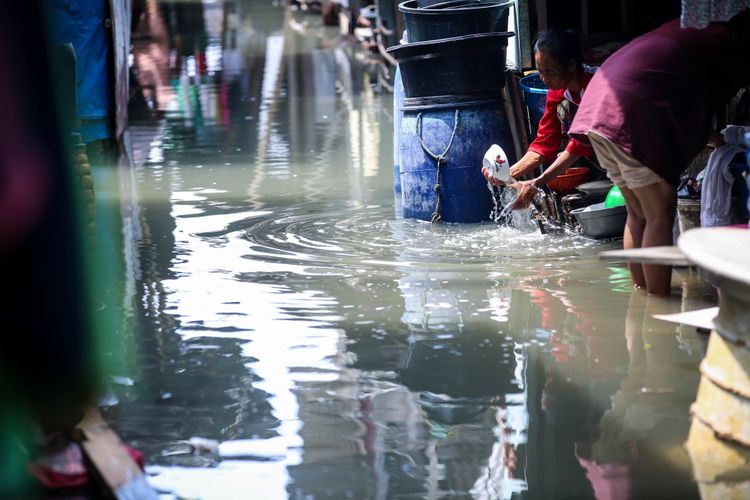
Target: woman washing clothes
column 648, row 111
column 558, row 58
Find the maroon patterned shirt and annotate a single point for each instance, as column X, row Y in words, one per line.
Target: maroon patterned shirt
column 656, row 96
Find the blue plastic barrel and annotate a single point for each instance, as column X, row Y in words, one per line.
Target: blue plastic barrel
column 534, row 93
column 398, row 114
column 464, row 196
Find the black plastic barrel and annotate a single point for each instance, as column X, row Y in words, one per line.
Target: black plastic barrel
column 426, row 4
column 470, row 64
column 455, row 18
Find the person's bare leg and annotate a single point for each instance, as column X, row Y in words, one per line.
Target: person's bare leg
column 633, row 235
column 659, row 202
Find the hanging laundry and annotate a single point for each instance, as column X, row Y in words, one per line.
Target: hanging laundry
column 716, row 197
column 698, row 13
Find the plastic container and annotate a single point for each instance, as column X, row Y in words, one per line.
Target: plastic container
column 599, row 222
column 596, row 188
column 688, row 214
column 452, row 19
column 464, row 196
column 534, row 93
column 496, row 162
column 574, row 176
column 614, row 198
column 470, row 64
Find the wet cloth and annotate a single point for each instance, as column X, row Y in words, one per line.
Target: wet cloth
column 716, row 190
column 559, row 109
column 698, row 13
column 65, row 466
column 655, row 97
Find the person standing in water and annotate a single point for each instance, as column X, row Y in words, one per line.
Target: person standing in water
column 648, row 112
column 558, row 58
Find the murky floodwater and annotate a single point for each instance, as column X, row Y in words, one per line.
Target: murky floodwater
column 335, row 350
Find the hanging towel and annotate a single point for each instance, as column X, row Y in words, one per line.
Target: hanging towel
column 716, row 190
column 698, row 13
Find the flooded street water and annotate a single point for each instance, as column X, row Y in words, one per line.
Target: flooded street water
column 336, row 350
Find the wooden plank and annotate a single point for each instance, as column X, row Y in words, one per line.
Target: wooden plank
column 524, row 36
column 120, row 15
column 665, row 255
column 114, row 470
column 584, row 17
column 541, row 15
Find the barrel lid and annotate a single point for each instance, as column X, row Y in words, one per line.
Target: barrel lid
column 475, row 99
column 448, row 7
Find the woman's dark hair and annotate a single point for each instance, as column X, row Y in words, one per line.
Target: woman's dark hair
column 562, row 45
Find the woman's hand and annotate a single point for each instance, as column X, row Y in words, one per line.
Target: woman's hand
column 530, row 161
column 488, row 175
column 517, row 171
column 528, row 189
column 525, row 165
column 526, row 192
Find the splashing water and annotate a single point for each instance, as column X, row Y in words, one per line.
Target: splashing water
column 504, row 215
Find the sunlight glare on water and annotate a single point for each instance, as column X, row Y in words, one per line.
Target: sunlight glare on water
column 320, row 345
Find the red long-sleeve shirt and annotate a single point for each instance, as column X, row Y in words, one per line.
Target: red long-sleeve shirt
column 549, row 135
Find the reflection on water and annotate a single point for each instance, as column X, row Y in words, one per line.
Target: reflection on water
column 333, row 350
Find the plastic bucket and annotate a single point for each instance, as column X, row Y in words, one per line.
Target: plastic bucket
column 470, row 64
column 451, row 19
column 614, row 198
column 534, row 93
column 599, row 222
column 688, row 214
column 464, row 196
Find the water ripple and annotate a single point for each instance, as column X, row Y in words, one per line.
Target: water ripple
column 369, row 237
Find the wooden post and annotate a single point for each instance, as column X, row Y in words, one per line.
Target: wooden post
column 524, row 36
column 120, row 15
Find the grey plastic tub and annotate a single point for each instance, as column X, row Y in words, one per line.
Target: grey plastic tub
column 599, row 222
